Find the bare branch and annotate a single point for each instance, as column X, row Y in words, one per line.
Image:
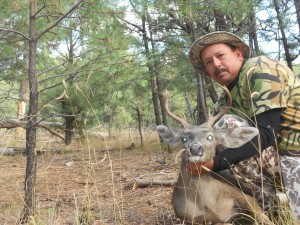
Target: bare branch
column 134, row 25
column 37, row 12
column 138, row 183
column 16, row 32
column 53, row 67
column 51, row 131
column 60, row 19
column 55, row 85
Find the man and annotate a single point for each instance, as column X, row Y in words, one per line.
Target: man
column 267, row 93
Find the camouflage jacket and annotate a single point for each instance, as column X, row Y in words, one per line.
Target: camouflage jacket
column 264, row 84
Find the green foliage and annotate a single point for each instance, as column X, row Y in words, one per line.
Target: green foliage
column 99, row 53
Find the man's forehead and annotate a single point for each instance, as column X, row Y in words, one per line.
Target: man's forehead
column 219, row 46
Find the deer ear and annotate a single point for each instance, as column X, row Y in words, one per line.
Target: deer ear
column 236, row 136
column 170, row 135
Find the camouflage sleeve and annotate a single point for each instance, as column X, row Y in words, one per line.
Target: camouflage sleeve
column 265, row 89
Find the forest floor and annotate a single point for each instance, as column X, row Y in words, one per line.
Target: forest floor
column 90, row 183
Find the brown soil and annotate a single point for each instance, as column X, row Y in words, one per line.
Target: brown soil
column 87, row 184
column 90, row 186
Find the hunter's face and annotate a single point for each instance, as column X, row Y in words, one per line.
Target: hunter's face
column 222, row 62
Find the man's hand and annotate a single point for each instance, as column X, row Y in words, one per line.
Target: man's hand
column 198, row 169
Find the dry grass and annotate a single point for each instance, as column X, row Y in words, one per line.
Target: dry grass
column 85, row 182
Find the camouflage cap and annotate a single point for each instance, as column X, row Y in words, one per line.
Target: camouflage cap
column 213, row 38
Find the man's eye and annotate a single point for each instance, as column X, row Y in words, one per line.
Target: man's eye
column 184, row 139
column 207, row 63
column 210, row 137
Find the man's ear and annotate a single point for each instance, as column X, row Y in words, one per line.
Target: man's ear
column 239, row 53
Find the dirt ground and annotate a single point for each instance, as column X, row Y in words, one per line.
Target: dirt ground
column 91, row 182
column 90, row 185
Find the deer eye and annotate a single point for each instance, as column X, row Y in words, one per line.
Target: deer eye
column 210, row 137
column 184, row 139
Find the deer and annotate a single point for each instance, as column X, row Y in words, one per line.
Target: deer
column 205, row 199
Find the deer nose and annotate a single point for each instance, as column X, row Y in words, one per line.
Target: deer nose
column 196, row 149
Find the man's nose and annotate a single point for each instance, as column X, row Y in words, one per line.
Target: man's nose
column 216, row 62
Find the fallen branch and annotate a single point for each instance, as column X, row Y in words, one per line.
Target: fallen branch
column 138, row 183
column 11, row 123
column 14, row 123
column 11, row 151
column 52, row 131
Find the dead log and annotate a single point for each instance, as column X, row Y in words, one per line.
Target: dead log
column 8, row 151
column 11, row 123
column 11, row 151
column 14, row 123
column 138, row 183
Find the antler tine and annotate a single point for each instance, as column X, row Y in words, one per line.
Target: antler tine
column 165, row 105
column 213, row 119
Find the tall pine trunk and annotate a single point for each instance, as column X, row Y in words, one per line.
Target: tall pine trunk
column 31, row 160
column 152, row 72
column 201, row 100
column 297, row 7
column 253, row 33
column 30, row 177
column 283, row 35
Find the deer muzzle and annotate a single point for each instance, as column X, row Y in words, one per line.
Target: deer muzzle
column 196, row 149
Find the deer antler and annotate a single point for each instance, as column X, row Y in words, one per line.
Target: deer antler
column 165, row 105
column 213, row 119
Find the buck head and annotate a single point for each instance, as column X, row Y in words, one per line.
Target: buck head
column 201, row 141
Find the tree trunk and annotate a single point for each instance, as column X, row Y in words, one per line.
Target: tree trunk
column 221, row 24
column 297, row 6
column 160, row 91
column 66, row 107
column 284, row 39
column 22, row 106
column 253, row 34
column 156, row 69
column 69, row 119
column 188, row 105
column 211, row 89
column 152, row 72
column 201, row 101
column 139, row 118
column 69, row 129
column 202, row 116
column 31, row 126
column 30, row 177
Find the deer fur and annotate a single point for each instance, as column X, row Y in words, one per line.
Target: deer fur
column 205, row 199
